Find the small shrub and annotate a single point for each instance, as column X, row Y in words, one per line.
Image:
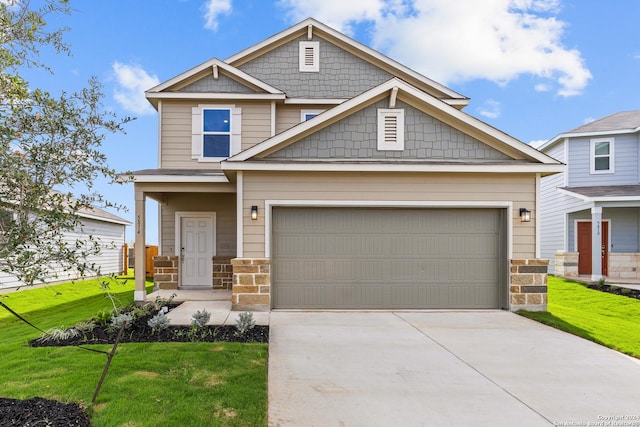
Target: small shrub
column 59, row 334
column 200, row 318
column 625, row 291
column 244, row 323
column 158, row 323
column 86, row 326
column 103, row 317
column 119, row 320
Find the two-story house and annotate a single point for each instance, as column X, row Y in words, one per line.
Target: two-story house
column 590, row 214
column 311, row 171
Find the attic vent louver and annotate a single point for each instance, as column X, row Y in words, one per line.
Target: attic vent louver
column 390, row 129
column 309, row 57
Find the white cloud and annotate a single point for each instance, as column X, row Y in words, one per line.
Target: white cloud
column 490, row 108
column 133, row 80
column 537, row 143
column 213, row 9
column 588, row 120
column 456, row 41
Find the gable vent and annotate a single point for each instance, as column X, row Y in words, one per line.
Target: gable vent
column 390, row 129
column 309, row 57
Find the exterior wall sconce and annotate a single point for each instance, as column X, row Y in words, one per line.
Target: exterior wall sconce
column 254, row 212
column 525, row 215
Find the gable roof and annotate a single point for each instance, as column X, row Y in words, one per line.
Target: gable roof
column 617, row 123
column 311, row 26
column 519, row 151
column 169, row 88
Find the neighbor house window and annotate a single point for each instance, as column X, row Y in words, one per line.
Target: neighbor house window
column 390, row 129
column 215, row 132
column 309, row 114
column 602, row 158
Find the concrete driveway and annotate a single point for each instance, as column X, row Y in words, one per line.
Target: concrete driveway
column 469, row 368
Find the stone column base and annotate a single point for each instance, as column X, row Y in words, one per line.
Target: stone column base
column 251, row 289
column 528, row 284
column 222, row 273
column 566, row 264
column 165, row 272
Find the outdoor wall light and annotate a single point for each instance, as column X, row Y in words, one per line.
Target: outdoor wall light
column 525, row 215
column 254, row 212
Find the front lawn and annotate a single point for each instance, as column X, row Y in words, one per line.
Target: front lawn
column 147, row 384
column 610, row 320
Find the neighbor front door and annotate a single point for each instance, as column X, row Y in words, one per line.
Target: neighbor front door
column 584, row 247
column 196, row 252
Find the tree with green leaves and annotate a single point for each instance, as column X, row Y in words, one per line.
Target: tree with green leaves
column 50, row 151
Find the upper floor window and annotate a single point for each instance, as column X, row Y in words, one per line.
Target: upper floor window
column 216, row 132
column 602, row 156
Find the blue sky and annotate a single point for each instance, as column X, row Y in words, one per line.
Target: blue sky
column 532, row 68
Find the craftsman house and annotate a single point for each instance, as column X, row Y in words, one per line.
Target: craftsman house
column 591, row 212
column 309, row 171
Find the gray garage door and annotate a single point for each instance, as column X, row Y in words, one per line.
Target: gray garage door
column 376, row 258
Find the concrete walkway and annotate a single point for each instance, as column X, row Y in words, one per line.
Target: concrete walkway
column 470, row 368
column 217, row 303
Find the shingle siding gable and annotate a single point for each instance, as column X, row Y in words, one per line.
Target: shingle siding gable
column 355, row 137
column 222, row 84
column 341, row 75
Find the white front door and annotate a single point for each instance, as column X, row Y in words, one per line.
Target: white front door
column 196, row 251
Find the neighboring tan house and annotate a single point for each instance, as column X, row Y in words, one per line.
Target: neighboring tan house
column 591, row 212
column 313, row 172
column 103, row 226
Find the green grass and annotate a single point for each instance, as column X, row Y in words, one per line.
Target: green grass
column 149, row 384
column 607, row 319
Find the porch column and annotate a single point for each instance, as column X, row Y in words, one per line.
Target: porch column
column 596, row 243
column 140, row 250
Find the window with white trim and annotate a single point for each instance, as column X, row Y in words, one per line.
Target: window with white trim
column 309, row 57
column 309, row 114
column 602, row 156
column 215, row 132
column 390, row 129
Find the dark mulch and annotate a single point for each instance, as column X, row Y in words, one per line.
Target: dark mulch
column 140, row 331
column 39, row 412
column 617, row 290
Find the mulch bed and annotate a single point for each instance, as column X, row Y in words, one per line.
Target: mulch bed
column 617, row 290
column 39, row 412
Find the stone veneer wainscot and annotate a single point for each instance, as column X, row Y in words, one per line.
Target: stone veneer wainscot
column 251, row 284
column 528, row 284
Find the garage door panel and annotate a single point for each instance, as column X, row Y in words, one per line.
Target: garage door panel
column 386, row 258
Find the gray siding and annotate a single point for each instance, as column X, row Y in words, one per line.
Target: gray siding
column 223, row 204
column 341, row 75
column 623, row 231
column 355, row 137
column 222, row 84
column 626, row 162
column 623, row 228
column 110, row 260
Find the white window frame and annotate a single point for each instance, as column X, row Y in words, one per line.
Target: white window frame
column 384, row 144
column 303, row 114
column 593, row 156
column 305, row 66
column 197, row 131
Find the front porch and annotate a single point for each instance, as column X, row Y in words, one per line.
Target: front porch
column 216, row 302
